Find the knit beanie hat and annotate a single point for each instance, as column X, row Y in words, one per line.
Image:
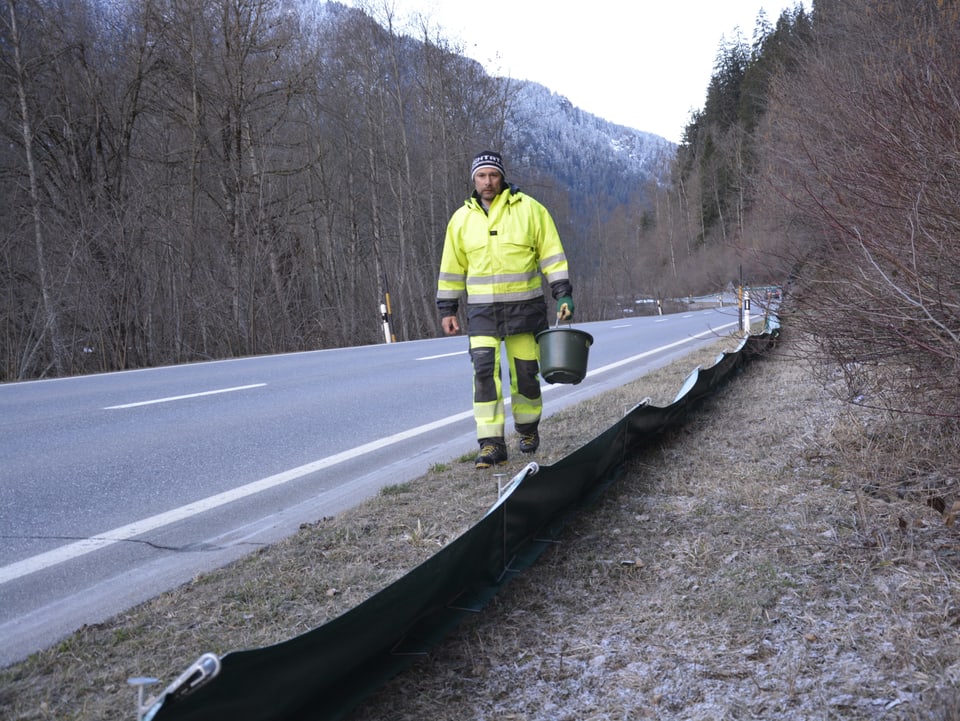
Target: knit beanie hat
column 487, row 159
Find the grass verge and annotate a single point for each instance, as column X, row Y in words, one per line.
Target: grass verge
column 737, row 570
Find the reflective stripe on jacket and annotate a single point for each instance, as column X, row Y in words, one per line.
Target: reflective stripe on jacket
column 498, row 256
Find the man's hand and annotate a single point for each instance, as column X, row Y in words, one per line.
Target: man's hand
column 450, row 325
column 565, row 308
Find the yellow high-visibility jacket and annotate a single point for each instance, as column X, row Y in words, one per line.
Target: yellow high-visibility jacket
column 498, row 258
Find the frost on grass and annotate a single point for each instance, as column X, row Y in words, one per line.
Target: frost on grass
column 742, row 569
column 727, row 575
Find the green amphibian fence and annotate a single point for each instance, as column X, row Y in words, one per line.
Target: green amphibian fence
column 326, row 672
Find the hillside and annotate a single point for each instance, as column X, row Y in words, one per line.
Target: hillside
column 591, row 157
column 165, row 213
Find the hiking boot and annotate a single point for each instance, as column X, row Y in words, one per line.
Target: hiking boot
column 492, row 453
column 529, row 442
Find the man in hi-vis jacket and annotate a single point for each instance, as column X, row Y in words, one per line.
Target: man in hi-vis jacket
column 498, row 247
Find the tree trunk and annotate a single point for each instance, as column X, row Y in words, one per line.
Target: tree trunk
column 51, row 325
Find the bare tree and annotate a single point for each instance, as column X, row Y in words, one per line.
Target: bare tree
column 866, row 149
column 189, row 180
column 50, row 326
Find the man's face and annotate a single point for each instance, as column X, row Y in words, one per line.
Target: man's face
column 488, row 183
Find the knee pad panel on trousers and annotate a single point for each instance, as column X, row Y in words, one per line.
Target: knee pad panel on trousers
column 484, row 366
column 527, row 382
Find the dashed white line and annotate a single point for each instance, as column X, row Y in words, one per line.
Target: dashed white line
column 184, row 397
column 442, row 355
column 137, row 528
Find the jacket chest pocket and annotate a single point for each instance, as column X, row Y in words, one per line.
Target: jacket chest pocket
column 518, row 251
column 478, row 237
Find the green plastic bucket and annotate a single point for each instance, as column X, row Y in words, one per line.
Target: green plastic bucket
column 563, row 354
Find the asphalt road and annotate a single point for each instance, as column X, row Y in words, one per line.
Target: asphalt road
column 117, row 487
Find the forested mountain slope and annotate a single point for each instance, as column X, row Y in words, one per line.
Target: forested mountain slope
column 186, row 182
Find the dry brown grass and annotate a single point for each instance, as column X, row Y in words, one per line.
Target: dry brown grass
column 738, row 570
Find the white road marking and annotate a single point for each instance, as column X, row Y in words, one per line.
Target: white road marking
column 442, row 355
column 631, row 359
column 42, row 561
column 183, row 397
column 137, row 528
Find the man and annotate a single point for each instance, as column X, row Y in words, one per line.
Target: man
column 498, row 247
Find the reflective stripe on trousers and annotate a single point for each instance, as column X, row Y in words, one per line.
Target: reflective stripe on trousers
column 526, row 402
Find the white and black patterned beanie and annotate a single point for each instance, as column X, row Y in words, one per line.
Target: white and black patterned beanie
column 487, row 159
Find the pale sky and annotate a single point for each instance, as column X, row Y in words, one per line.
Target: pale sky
column 645, row 64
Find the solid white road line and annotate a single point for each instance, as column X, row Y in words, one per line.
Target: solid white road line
column 42, row 561
column 137, row 528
